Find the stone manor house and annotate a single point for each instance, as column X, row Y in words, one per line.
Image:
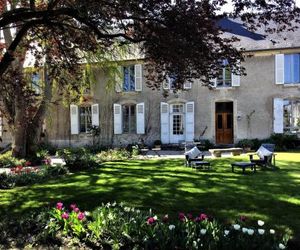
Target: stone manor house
column 265, row 101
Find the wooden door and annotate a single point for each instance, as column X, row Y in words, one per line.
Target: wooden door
column 224, row 128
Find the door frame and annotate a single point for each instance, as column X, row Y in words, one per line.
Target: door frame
column 233, row 119
column 176, row 138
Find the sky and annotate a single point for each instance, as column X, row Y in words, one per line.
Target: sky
column 228, row 7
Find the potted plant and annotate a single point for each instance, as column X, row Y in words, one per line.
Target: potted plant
column 157, row 144
column 246, row 144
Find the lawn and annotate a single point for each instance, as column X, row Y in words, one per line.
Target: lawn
column 167, row 186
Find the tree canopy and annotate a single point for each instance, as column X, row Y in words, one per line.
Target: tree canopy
column 180, row 37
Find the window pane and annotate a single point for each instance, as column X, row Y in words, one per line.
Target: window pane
column 88, row 117
column 132, row 119
column 220, row 121
column 177, row 125
column 85, row 119
column 227, row 73
column 288, row 68
column 126, row 84
column 82, row 119
column 229, row 121
column 125, row 114
column 177, row 108
column 132, row 78
column 291, row 115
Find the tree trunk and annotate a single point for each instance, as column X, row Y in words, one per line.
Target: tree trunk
column 20, row 128
column 34, row 135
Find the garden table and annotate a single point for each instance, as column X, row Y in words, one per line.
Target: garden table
column 244, row 165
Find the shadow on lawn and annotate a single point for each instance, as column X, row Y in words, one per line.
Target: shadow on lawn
column 169, row 187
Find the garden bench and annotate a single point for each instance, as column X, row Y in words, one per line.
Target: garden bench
column 217, row 152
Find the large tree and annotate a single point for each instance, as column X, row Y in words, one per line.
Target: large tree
column 182, row 38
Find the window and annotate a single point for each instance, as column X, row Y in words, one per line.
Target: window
column 129, row 78
column 129, row 118
column 292, row 68
column 36, row 82
column 85, row 119
column 224, row 78
column 291, row 115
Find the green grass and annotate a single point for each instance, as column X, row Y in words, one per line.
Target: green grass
column 167, row 186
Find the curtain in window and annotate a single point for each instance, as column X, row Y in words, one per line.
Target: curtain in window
column 292, row 68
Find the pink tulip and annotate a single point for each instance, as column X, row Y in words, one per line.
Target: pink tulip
column 65, row 216
column 59, row 205
column 80, row 216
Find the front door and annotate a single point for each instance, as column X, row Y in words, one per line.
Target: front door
column 177, row 123
column 224, row 123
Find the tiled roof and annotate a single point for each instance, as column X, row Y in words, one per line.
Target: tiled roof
column 252, row 41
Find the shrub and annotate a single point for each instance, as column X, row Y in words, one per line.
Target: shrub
column 113, row 155
column 7, row 160
column 78, row 158
column 6, row 181
column 245, row 143
column 22, row 176
column 54, row 171
column 283, row 141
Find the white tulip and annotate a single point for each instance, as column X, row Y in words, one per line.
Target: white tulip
column 250, row 231
column 236, row 226
column 245, row 230
column 260, row 223
column 261, row 231
column 203, row 231
column 272, row 231
column 155, row 217
column 226, row 232
column 281, row 246
column 171, row 227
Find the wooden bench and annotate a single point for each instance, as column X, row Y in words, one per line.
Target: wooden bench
column 217, row 152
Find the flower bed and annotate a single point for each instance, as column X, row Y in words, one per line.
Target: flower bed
column 113, row 226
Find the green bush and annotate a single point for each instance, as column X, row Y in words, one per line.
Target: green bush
column 245, row 143
column 7, row 181
column 78, row 158
column 283, row 141
column 54, row 171
column 22, row 176
column 8, row 161
column 113, row 155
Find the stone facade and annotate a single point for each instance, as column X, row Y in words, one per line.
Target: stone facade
column 253, row 107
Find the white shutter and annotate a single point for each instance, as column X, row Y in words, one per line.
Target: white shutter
column 187, row 85
column 74, row 118
column 278, row 115
column 119, row 79
column 189, row 121
column 138, row 75
column 117, row 119
column 140, row 118
column 279, row 69
column 95, row 114
column 236, row 79
column 164, row 122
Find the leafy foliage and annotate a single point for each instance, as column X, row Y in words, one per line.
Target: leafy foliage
column 117, row 226
column 78, row 158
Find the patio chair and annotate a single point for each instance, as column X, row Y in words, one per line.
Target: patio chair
column 266, row 156
column 193, row 156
